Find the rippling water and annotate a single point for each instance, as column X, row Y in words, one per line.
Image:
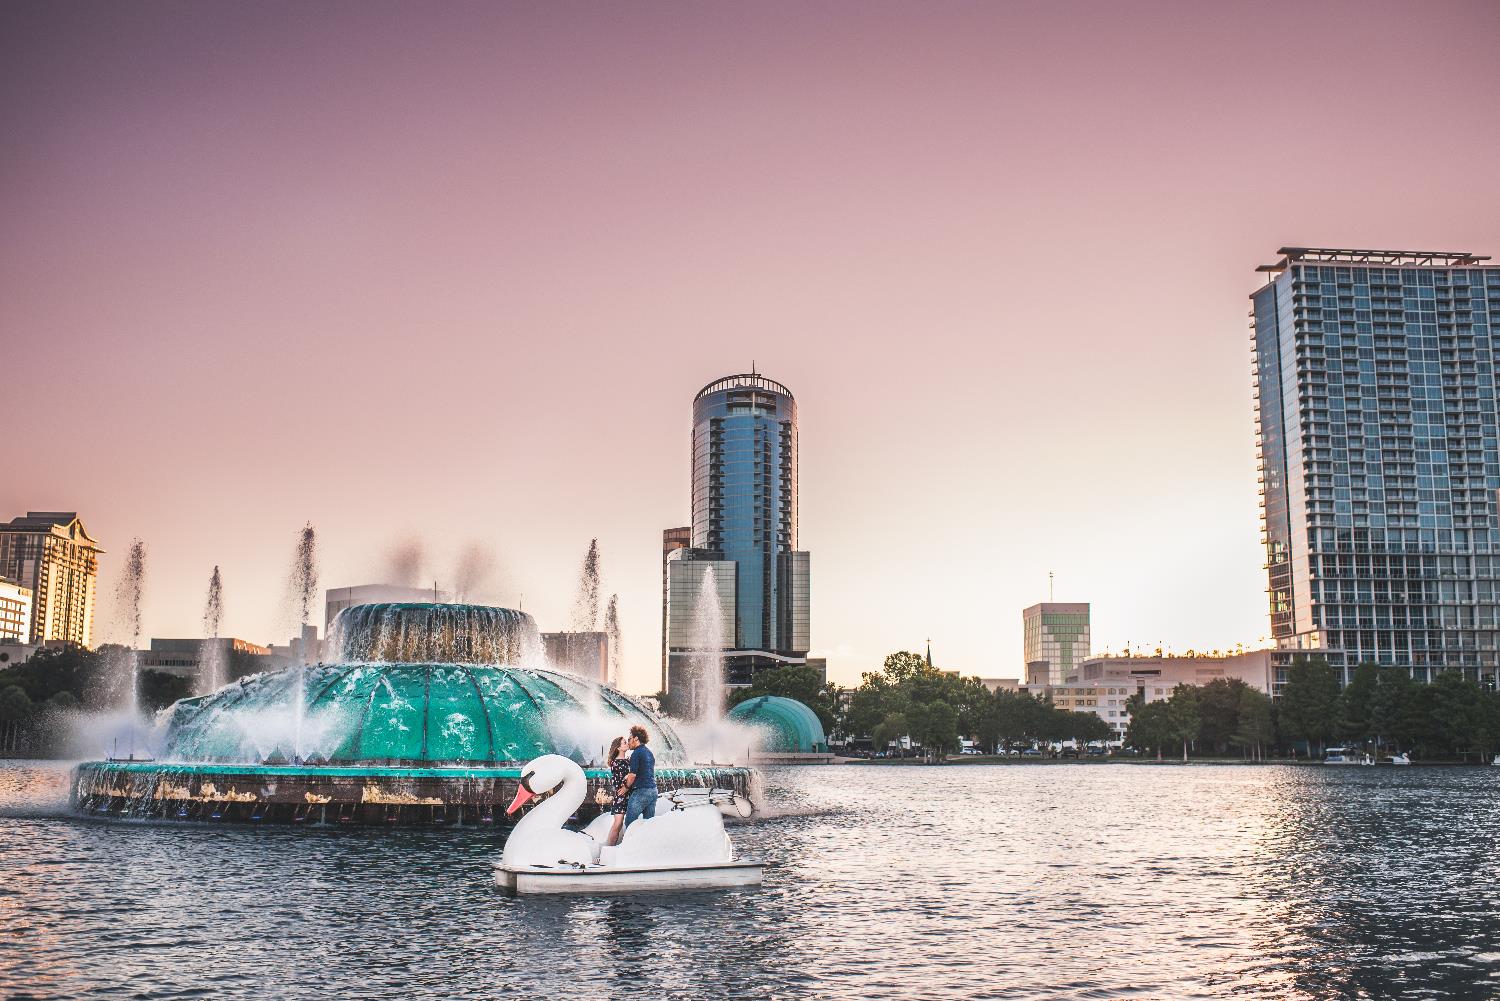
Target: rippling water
column 1030, row 881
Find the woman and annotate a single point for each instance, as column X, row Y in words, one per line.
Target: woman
column 619, row 767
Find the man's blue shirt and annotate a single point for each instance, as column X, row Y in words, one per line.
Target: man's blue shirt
column 643, row 767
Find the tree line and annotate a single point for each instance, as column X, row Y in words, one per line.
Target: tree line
column 35, row 696
column 934, row 709
column 1381, row 709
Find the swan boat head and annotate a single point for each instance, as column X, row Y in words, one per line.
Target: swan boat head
column 543, row 775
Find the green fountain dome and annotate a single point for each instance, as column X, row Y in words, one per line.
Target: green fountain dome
column 789, row 726
column 415, row 691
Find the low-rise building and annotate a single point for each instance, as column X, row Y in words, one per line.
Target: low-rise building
column 303, row 649
column 230, row 658
column 585, row 654
column 13, row 652
column 1001, row 684
column 336, row 599
column 1102, row 685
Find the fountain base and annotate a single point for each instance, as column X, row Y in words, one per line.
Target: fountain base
column 334, row 794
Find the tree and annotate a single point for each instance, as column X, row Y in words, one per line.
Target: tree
column 1310, row 701
column 1183, row 716
column 1357, row 704
column 1253, row 728
column 888, row 731
column 935, row 727
column 1219, row 706
column 904, row 666
column 1149, row 728
column 1084, row 727
column 15, row 712
column 1456, row 713
column 1395, row 709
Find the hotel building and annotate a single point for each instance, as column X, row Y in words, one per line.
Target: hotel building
column 1379, row 449
column 50, row 554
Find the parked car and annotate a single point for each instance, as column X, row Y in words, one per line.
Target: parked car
column 1031, row 752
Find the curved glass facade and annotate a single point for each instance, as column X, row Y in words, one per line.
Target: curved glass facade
column 745, row 506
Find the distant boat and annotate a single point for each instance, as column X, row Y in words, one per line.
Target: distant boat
column 1396, row 759
column 1344, row 756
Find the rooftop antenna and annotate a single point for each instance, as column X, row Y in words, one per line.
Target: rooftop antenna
column 1049, row 585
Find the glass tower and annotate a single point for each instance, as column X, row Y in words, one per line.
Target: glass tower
column 1055, row 636
column 745, row 509
column 1379, row 453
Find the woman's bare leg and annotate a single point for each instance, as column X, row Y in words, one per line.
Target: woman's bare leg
column 614, row 829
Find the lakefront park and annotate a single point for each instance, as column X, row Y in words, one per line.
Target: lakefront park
column 866, row 500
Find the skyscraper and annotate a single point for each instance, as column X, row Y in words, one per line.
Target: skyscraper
column 1055, row 638
column 1380, row 456
column 50, row 553
column 744, row 506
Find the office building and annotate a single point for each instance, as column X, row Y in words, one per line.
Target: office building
column 582, row 653
column 1055, row 636
column 744, row 512
column 698, row 619
column 235, row 658
column 51, row 554
column 336, row 599
column 1380, row 457
column 15, row 611
column 672, row 539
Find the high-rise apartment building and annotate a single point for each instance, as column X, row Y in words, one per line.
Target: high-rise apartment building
column 1380, row 456
column 50, row 553
column 1055, row 637
column 744, row 482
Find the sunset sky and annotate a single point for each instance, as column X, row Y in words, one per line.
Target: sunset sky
column 453, row 273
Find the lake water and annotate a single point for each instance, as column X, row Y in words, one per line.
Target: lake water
column 1019, row 881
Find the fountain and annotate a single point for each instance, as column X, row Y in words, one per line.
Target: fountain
column 422, row 715
column 212, row 671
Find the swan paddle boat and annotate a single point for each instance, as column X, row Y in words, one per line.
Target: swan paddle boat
column 684, row 847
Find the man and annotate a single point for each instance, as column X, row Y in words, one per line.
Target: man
column 640, row 784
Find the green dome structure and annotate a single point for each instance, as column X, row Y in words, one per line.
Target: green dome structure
column 426, row 718
column 789, row 726
column 408, row 714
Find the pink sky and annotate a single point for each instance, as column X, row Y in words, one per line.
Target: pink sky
column 457, row 272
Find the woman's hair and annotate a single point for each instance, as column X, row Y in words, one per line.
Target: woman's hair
column 614, row 748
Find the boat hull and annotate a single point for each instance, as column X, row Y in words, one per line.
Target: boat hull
column 539, row 880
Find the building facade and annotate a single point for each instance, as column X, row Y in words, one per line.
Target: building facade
column 51, row 554
column 1379, row 452
column 585, row 654
column 744, row 513
column 1056, row 639
column 230, row 658
column 15, row 611
column 1102, row 685
column 672, row 539
column 336, row 599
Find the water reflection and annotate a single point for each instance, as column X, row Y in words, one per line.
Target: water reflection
column 1001, row 882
